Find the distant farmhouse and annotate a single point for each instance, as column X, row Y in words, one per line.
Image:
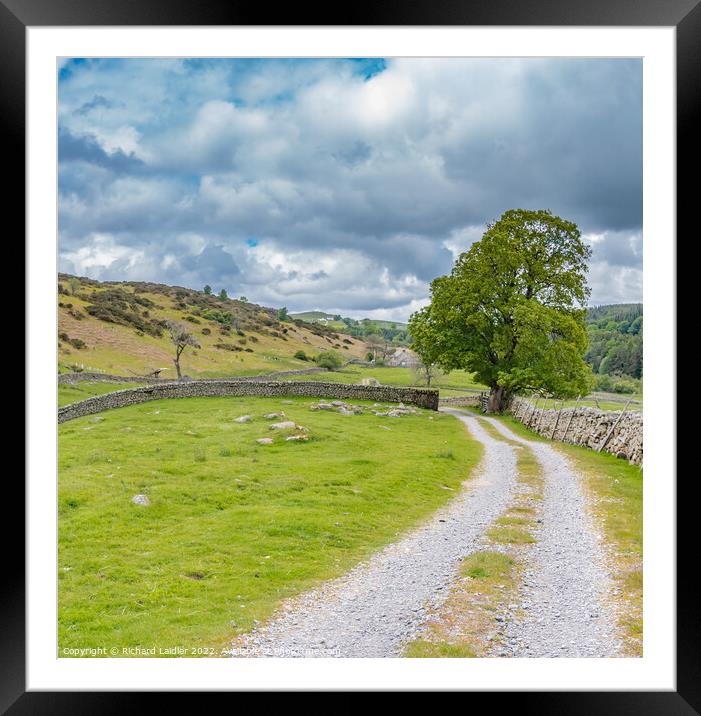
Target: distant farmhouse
column 403, row 358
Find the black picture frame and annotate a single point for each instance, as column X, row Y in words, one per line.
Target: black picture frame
column 685, row 15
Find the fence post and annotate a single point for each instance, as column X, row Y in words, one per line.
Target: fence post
column 557, row 420
column 613, row 427
column 576, row 405
column 540, row 419
column 530, row 417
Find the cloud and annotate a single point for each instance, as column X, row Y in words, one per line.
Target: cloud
column 87, row 149
column 319, row 183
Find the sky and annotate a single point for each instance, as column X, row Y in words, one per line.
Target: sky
column 341, row 185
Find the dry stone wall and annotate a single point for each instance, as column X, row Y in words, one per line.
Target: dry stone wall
column 108, row 378
column 620, row 435
column 421, row 397
column 460, row 400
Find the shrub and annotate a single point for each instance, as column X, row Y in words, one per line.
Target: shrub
column 115, row 305
column 616, row 384
column 301, row 355
column 206, row 331
column 227, row 347
column 329, row 360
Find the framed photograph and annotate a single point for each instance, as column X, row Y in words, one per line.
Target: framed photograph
column 335, row 352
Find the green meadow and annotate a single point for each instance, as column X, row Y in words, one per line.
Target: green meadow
column 233, row 527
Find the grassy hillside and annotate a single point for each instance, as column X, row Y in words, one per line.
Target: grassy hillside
column 120, row 328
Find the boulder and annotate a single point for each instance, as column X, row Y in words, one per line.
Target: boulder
column 297, row 437
column 284, row 425
column 321, row 406
column 265, row 441
column 140, row 500
column 243, row 419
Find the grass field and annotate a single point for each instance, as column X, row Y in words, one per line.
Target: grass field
column 233, row 527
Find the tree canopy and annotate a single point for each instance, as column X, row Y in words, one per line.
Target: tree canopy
column 512, row 309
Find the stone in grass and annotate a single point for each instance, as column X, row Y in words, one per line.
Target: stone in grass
column 297, row 437
column 265, row 441
column 284, row 425
column 243, row 419
column 321, row 406
column 140, row 500
column 272, row 416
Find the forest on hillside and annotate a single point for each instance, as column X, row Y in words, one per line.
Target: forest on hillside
column 615, row 350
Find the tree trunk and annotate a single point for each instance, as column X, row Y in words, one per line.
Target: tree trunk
column 498, row 399
column 177, row 367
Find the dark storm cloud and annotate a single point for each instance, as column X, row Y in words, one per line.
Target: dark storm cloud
column 87, row 149
column 341, row 184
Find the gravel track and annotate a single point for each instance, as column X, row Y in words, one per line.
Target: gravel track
column 566, row 590
column 379, row 605
column 372, row 611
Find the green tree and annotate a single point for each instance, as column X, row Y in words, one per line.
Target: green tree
column 425, row 344
column 512, row 309
column 329, row 360
column 282, row 314
column 208, row 290
column 223, row 294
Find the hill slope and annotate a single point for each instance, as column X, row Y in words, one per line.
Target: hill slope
column 120, row 328
column 395, row 332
